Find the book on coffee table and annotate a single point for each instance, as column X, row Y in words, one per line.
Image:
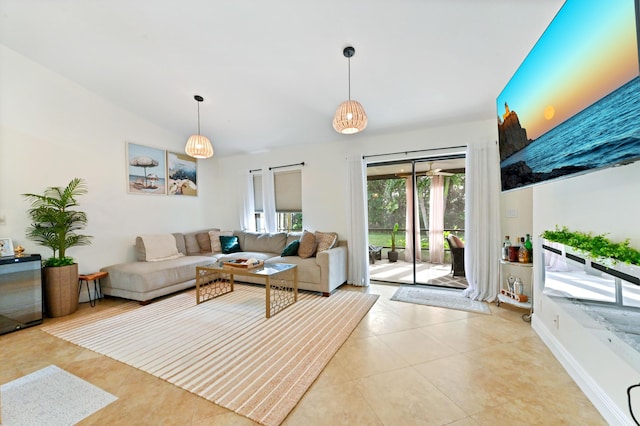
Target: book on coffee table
column 243, row 263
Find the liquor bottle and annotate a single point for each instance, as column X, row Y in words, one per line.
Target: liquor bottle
column 514, row 251
column 505, row 248
column 529, row 246
column 523, row 253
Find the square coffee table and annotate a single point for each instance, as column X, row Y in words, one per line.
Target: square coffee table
column 281, row 283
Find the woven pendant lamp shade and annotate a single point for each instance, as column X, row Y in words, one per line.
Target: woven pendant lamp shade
column 350, row 118
column 199, row 146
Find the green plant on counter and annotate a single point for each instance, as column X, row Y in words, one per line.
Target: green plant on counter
column 595, row 245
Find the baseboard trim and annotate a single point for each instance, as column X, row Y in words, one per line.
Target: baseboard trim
column 598, row 397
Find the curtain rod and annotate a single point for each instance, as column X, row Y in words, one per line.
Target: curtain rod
column 414, row 151
column 255, row 170
column 287, row 165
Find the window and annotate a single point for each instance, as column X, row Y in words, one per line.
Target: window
column 288, row 201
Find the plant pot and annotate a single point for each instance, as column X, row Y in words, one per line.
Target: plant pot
column 61, row 290
column 393, row 256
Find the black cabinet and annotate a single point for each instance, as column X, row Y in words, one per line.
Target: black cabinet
column 20, row 292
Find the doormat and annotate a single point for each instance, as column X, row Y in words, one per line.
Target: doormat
column 441, row 298
column 52, row 397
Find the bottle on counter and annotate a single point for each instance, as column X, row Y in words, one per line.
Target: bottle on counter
column 523, row 253
column 505, row 248
column 514, row 249
column 518, row 287
column 529, row 246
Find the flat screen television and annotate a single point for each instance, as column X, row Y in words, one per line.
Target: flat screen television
column 573, row 105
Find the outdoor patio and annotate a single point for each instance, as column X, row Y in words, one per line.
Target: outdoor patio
column 401, row 272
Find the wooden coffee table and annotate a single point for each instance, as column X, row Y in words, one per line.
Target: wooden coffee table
column 280, row 279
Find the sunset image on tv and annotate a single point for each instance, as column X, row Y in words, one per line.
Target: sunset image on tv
column 573, row 105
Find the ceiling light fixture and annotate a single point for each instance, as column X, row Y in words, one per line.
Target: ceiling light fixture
column 350, row 116
column 199, row 146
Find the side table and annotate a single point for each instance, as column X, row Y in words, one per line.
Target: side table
column 95, row 277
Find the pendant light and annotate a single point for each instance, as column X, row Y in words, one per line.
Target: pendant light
column 199, row 146
column 350, row 116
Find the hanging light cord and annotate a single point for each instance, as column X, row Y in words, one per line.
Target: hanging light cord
column 198, row 117
column 349, row 68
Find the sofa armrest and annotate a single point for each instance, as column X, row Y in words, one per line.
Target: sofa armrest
column 333, row 266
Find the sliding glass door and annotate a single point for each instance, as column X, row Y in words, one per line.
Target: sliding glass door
column 424, row 200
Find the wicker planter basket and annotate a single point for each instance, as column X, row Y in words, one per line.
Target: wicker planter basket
column 61, row 290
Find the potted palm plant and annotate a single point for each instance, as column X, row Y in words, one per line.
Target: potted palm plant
column 393, row 254
column 54, row 222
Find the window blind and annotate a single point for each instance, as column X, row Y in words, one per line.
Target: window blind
column 288, row 191
column 257, row 194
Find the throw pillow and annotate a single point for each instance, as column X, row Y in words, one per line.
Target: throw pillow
column 307, row 246
column 229, row 244
column 325, row 241
column 214, row 237
column 160, row 247
column 204, row 242
column 457, row 242
column 291, row 249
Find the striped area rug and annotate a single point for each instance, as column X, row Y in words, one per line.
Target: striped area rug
column 225, row 350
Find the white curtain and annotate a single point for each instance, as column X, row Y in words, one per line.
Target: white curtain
column 436, row 220
column 482, row 225
column 357, row 223
column 412, row 211
column 269, row 201
column 247, row 220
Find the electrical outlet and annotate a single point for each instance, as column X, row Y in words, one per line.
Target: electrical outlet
column 556, row 321
column 511, row 213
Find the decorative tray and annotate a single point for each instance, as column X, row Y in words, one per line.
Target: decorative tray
column 243, row 263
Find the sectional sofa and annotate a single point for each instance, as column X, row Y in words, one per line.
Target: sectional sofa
column 166, row 263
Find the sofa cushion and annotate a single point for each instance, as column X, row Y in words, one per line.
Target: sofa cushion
column 144, row 277
column 308, row 269
column 182, row 248
column 157, row 247
column 229, row 244
column 325, row 240
column 214, row 237
column 307, row 246
column 291, row 249
column 455, row 242
column 263, row 242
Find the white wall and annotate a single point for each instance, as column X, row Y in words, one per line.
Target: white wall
column 324, row 186
column 601, row 202
column 516, row 213
column 52, row 130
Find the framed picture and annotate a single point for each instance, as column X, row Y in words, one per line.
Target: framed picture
column 146, row 170
column 6, row 247
column 182, row 171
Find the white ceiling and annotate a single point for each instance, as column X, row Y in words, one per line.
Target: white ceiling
column 272, row 72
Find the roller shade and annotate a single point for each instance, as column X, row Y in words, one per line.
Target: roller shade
column 257, row 194
column 288, row 191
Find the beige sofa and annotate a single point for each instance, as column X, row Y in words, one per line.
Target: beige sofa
column 149, row 278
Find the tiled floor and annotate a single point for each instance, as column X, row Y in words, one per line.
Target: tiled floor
column 405, row 364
